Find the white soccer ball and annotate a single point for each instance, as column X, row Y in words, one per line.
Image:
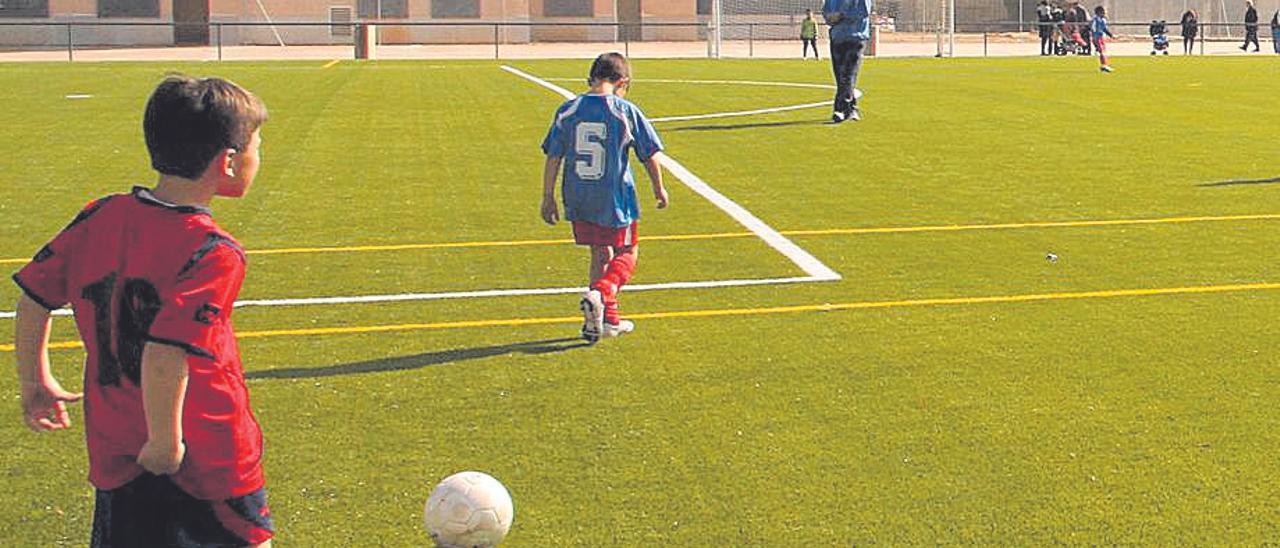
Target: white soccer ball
column 469, row 509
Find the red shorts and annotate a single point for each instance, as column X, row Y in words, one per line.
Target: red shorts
column 1101, row 42
column 585, row 233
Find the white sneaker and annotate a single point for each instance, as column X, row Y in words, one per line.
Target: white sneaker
column 1106, row 68
column 619, row 329
column 837, row 117
column 592, row 305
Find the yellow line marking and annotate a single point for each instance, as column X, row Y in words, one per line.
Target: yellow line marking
column 824, row 307
column 1044, row 224
column 331, row 63
column 726, row 235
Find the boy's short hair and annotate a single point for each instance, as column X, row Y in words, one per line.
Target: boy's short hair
column 611, row 67
column 190, row 120
column 1099, row 10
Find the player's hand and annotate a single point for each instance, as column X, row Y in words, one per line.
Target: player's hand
column 661, row 195
column 44, row 405
column 550, row 212
column 162, row 457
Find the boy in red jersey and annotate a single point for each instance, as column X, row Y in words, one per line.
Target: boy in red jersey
column 174, row 450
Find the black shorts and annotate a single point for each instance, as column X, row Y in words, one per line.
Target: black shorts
column 152, row 511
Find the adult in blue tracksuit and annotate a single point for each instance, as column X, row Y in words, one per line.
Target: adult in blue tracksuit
column 850, row 22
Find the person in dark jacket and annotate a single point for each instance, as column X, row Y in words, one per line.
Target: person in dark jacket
column 1045, row 26
column 1190, row 27
column 1250, row 27
column 1275, row 31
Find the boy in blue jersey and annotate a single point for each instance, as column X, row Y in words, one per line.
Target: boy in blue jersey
column 1101, row 31
column 595, row 131
column 850, row 22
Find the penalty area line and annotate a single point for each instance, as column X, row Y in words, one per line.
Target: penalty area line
column 407, row 297
column 727, row 235
column 803, row 259
column 740, row 113
column 740, row 312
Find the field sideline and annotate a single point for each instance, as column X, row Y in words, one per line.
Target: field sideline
column 406, row 315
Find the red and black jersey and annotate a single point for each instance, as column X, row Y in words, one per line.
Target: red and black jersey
column 136, row 270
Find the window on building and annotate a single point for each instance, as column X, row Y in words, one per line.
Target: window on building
column 128, row 8
column 568, row 8
column 393, row 9
column 704, row 7
column 443, row 9
column 24, row 8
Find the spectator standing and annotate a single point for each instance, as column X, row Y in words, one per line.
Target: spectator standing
column 1058, row 17
column 1250, row 27
column 1275, row 31
column 1190, row 27
column 1045, row 25
column 809, row 34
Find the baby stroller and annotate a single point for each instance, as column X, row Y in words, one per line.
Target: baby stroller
column 1062, row 43
column 1159, row 38
column 1072, row 41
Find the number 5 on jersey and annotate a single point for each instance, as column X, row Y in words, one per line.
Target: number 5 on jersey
column 589, row 142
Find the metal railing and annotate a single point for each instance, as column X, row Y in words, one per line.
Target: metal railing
column 622, row 33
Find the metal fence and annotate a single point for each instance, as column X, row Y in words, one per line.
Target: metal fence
column 500, row 40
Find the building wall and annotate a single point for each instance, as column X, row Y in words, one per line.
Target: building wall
column 275, row 21
column 86, row 11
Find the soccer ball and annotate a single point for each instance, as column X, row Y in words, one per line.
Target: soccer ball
column 469, row 509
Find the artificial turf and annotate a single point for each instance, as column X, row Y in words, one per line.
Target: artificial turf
column 742, row 415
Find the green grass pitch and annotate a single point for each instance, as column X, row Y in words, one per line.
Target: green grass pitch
column 736, row 416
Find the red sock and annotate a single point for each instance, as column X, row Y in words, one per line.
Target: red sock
column 616, row 274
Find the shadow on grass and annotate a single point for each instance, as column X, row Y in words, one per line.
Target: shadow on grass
column 1236, row 182
column 725, row 127
column 419, row 361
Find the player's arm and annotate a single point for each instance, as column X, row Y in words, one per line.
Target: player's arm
column 550, row 211
column 43, row 399
column 164, row 390
column 190, row 325
column 654, row 168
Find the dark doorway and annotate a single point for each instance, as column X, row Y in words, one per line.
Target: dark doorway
column 191, row 22
column 629, row 18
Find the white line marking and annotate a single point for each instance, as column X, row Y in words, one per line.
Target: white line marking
column 79, row 96
column 513, row 292
column 857, row 92
column 739, row 113
column 365, row 299
column 557, row 89
column 11, row 314
column 718, row 82
column 803, row 259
